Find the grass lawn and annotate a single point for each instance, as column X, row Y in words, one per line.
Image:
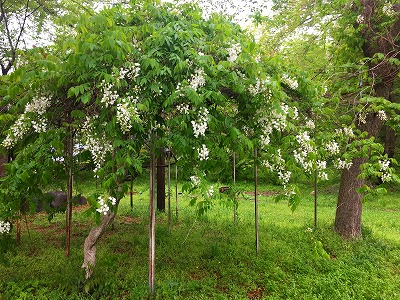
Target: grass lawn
column 210, row 257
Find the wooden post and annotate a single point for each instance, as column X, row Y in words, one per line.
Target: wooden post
column 152, row 232
column 256, row 197
column 169, row 190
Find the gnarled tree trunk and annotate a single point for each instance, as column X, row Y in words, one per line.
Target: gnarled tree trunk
column 89, row 261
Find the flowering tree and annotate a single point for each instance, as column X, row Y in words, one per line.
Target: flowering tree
column 150, row 76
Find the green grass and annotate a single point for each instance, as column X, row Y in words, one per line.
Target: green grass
column 210, row 257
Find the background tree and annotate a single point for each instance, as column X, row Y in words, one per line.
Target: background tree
column 361, row 42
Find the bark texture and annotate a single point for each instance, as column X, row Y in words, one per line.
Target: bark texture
column 383, row 74
column 390, row 141
column 349, row 207
column 89, row 261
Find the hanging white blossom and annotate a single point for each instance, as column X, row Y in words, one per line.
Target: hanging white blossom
column 233, row 52
column 195, row 180
column 203, row 152
column 332, row 147
column 5, row 227
column 197, row 79
column 382, row 115
column 104, row 208
column 200, row 125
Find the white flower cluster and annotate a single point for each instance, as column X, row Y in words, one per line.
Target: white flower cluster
column 195, row 180
column 386, row 177
column 346, row 131
column 39, row 125
column 38, row 105
column 321, row 166
column 203, row 152
column 310, row 124
column 360, row 19
column 259, row 87
column 98, row 146
column 126, row 112
column 197, row 79
column 362, row 118
column 384, row 166
column 388, row 10
column 342, row 164
column 292, row 83
column 104, row 207
column 178, row 89
column 18, row 130
column 301, row 157
column 183, row 108
column 295, row 113
column 109, row 96
column 5, row 227
column 382, row 115
column 274, row 120
column 264, row 140
column 233, row 52
column 301, row 154
column 279, row 166
column 305, row 142
column 284, row 176
column 278, row 119
column 210, row 192
column 200, row 126
column 131, row 72
column 332, row 147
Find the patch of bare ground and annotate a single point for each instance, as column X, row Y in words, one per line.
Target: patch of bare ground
column 256, row 293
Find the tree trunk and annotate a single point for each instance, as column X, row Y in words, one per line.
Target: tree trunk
column 383, row 73
column 161, row 183
column 3, row 161
column 390, row 141
column 89, row 261
column 349, row 207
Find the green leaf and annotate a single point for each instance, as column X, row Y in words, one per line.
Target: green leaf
column 78, row 114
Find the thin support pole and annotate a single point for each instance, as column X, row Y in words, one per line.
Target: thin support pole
column 152, row 232
column 234, row 183
column 256, row 197
column 176, row 191
column 131, row 192
column 19, row 228
column 69, row 153
column 315, row 181
column 169, row 191
column 315, row 198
